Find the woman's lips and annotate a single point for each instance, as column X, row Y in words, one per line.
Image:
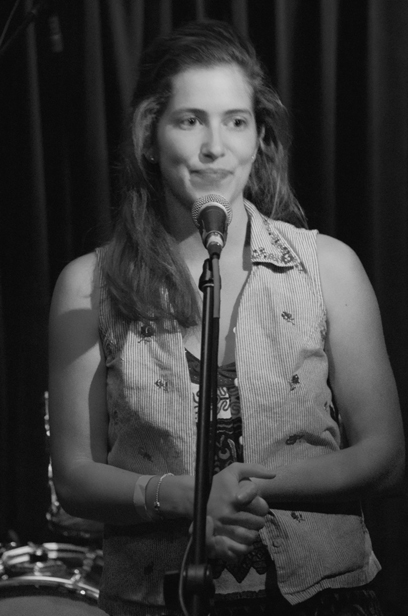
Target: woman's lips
column 211, row 175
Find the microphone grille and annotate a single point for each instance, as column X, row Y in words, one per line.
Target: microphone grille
column 206, row 200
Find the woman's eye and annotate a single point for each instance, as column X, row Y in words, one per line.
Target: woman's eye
column 238, row 122
column 188, row 122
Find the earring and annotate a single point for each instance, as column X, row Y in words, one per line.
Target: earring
column 253, row 156
column 150, row 157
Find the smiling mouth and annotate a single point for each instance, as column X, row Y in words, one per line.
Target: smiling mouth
column 212, row 174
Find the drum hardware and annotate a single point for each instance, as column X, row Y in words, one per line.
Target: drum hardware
column 53, row 578
column 65, row 567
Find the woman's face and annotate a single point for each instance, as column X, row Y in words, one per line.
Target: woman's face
column 207, row 137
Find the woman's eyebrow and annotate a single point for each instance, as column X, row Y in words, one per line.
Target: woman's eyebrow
column 244, row 110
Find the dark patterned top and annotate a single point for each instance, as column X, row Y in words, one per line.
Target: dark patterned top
column 228, row 449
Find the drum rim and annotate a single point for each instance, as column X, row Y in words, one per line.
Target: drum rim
column 53, row 545
column 54, row 551
column 79, row 588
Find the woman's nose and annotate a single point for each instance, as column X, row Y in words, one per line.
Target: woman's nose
column 213, row 144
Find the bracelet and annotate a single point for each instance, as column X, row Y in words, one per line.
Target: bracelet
column 139, row 496
column 156, row 505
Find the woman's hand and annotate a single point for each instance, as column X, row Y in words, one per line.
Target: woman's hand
column 236, row 513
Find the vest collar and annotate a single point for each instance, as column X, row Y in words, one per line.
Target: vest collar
column 267, row 244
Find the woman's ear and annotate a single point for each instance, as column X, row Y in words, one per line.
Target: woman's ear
column 260, row 143
column 261, row 138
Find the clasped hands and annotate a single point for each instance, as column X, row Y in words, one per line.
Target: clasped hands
column 235, row 511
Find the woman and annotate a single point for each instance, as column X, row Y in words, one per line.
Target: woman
column 299, row 329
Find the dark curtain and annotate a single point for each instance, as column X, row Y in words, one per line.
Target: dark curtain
column 341, row 68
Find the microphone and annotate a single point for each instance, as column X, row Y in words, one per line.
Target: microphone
column 211, row 215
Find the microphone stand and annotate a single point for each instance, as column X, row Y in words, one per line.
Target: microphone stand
column 199, row 570
column 195, row 582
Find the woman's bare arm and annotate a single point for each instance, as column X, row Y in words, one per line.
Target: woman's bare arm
column 364, row 391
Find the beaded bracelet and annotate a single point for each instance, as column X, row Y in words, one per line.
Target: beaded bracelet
column 156, row 505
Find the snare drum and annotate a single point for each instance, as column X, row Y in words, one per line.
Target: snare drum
column 52, row 579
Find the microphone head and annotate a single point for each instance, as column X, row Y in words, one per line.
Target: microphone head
column 212, row 214
column 207, row 200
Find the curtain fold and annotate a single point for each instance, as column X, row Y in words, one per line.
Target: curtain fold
column 26, row 294
column 328, row 77
column 341, row 68
column 126, row 50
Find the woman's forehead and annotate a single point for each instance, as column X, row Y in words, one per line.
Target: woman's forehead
column 199, row 85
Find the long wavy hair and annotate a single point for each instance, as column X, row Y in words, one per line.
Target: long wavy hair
column 145, row 274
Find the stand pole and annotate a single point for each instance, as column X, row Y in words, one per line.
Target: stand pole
column 196, row 578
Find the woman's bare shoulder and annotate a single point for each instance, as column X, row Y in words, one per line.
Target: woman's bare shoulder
column 77, row 284
column 342, row 273
column 334, row 253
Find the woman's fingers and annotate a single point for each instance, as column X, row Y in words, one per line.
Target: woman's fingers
column 247, row 520
column 237, row 511
column 224, row 546
column 237, row 533
column 258, row 506
column 247, row 493
column 248, row 499
column 227, row 549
